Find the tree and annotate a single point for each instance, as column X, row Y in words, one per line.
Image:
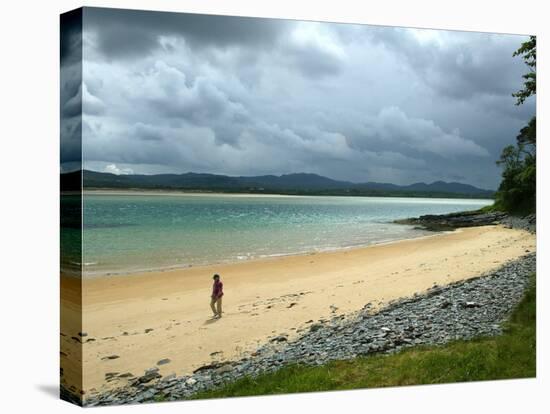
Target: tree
column 528, row 136
column 529, row 52
column 510, row 158
column 517, row 191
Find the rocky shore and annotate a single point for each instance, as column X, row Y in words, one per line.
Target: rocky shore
column 464, row 310
column 453, row 221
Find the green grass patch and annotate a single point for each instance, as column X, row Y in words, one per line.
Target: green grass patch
column 492, row 208
column 521, row 210
column 510, row 355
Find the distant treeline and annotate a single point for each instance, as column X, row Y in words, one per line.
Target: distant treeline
column 290, row 184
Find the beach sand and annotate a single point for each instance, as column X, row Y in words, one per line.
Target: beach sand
column 145, row 318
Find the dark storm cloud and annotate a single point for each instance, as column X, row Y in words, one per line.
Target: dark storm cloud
column 146, row 132
column 313, row 58
column 70, row 90
column 314, row 62
column 70, row 42
column 126, row 33
column 166, row 92
column 467, row 65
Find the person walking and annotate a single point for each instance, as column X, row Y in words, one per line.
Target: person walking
column 216, row 299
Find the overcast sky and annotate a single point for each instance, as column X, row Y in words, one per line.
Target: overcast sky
column 168, row 92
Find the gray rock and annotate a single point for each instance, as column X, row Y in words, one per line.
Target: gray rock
column 472, row 305
column 315, row 327
column 224, row 369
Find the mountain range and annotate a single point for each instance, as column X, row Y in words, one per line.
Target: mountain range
column 299, row 183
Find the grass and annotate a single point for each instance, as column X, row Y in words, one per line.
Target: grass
column 492, row 208
column 510, row 355
column 521, row 210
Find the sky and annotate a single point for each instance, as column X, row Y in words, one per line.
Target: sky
column 173, row 93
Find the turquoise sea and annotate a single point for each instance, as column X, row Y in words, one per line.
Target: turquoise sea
column 137, row 232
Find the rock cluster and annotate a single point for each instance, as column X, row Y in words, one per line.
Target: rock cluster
column 443, row 222
column 452, row 221
column 528, row 223
column 464, row 310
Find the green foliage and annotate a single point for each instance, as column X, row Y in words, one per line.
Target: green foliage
column 489, row 209
column 529, row 52
column 511, row 355
column 528, row 136
column 517, row 191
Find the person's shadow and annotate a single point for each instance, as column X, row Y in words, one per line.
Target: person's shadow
column 210, row 321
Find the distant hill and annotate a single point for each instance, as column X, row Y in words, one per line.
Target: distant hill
column 437, row 186
column 300, row 183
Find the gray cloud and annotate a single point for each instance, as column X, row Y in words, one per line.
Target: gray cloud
column 457, row 64
column 130, row 33
column 70, row 91
column 177, row 92
column 392, row 128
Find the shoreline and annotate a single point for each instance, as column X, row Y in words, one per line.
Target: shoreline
column 141, row 192
column 259, row 258
column 165, row 192
column 136, row 322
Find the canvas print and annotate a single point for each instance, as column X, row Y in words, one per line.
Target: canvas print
column 255, row 206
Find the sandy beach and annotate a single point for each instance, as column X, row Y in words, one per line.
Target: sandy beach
column 134, row 321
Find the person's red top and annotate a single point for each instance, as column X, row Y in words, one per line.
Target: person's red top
column 217, row 289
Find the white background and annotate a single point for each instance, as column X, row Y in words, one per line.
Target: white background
column 29, row 160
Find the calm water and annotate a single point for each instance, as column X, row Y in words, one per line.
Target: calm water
column 125, row 233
